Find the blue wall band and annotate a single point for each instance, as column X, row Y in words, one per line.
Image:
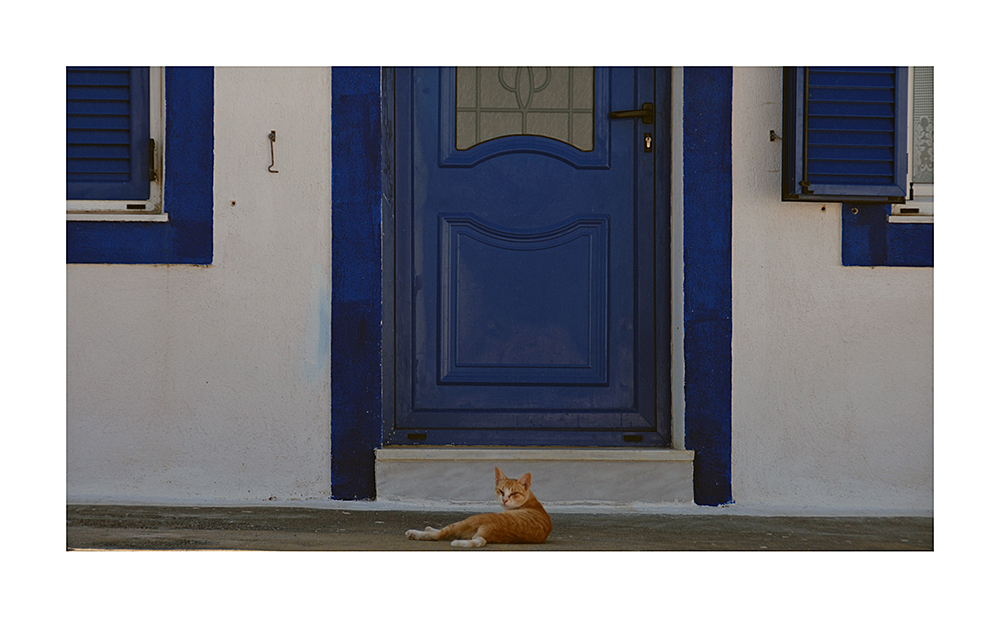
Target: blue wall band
column 868, row 239
column 356, row 331
column 708, row 258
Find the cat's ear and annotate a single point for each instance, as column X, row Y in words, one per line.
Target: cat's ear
column 500, row 475
column 525, row 480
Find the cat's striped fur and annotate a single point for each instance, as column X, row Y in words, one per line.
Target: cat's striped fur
column 523, row 519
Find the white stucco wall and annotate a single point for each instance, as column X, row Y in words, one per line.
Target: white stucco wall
column 832, row 366
column 190, row 382
column 212, row 383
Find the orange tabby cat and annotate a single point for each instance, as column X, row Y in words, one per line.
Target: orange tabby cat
column 523, row 520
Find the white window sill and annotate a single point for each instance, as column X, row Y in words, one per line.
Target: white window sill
column 911, row 218
column 116, row 216
column 918, row 209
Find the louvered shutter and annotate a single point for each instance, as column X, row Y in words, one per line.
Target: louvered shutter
column 107, row 133
column 845, row 134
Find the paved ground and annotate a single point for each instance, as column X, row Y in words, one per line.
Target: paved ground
column 288, row 528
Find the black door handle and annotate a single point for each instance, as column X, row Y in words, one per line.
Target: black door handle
column 647, row 113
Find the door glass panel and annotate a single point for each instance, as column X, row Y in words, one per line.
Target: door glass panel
column 553, row 102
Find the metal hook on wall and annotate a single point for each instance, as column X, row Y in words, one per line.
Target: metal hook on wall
column 271, row 136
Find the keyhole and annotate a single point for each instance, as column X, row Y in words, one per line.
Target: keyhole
column 649, row 142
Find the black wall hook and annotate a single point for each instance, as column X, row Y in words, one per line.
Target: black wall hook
column 271, row 136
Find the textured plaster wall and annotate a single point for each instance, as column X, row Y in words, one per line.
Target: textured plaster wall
column 188, row 382
column 832, row 366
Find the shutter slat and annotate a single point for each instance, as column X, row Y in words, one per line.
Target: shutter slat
column 90, row 108
column 853, row 167
column 92, row 151
column 97, row 137
column 854, row 95
column 836, row 153
column 97, row 93
column 858, row 139
column 118, row 167
column 825, row 123
column 76, row 76
column 852, row 69
column 99, row 123
column 842, row 109
column 883, row 77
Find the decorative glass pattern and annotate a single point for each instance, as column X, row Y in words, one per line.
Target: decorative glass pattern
column 923, row 124
column 554, row 102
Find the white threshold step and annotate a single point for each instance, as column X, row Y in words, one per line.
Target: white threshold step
column 464, row 475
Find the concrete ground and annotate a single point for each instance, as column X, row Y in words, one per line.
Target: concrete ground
column 263, row 528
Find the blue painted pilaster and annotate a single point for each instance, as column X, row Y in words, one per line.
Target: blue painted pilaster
column 708, row 330
column 356, row 311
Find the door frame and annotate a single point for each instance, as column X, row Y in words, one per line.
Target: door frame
column 394, row 136
column 701, row 335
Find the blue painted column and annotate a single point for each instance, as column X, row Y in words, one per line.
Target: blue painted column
column 708, row 315
column 356, row 311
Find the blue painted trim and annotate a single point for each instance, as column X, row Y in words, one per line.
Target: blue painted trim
column 187, row 188
column 708, row 315
column 868, row 239
column 356, row 379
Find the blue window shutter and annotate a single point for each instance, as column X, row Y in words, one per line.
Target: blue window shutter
column 845, row 134
column 107, row 133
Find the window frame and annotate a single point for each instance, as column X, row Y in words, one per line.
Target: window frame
column 127, row 209
column 919, row 206
column 867, row 237
column 188, row 188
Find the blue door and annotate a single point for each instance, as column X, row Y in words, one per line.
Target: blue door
column 529, row 257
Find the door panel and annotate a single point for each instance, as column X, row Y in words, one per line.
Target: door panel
column 524, row 257
column 523, row 307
